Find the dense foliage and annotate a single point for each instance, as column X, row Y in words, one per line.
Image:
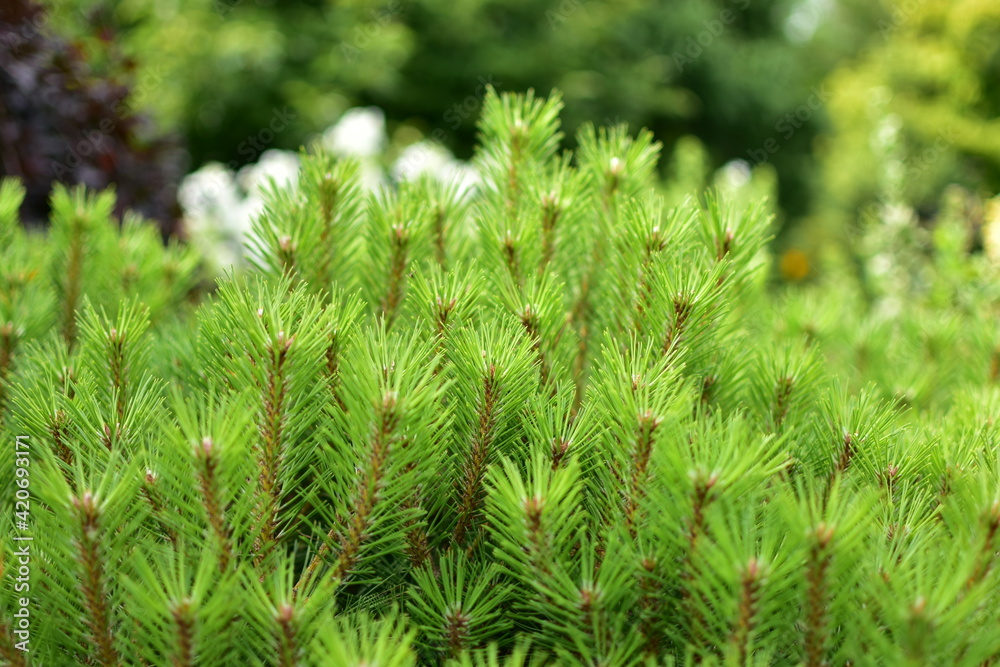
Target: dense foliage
column 62, row 121
column 556, row 421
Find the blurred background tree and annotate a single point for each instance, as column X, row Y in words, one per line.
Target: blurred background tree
column 726, row 71
column 850, row 102
column 915, row 111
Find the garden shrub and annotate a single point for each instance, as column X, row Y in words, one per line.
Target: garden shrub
column 553, row 421
column 65, row 117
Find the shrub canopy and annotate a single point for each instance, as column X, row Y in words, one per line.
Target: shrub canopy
column 557, row 420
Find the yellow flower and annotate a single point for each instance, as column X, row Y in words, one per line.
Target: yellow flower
column 794, row 264
column 991, row 230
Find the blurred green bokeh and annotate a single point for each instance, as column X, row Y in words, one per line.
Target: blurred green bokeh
column 840, row 96
column 917, row 110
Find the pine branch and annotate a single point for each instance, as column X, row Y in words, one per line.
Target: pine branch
column 72, row 289
column 151, row 492
column 208, row 479
column 398, row 259
column 748, row 610
column 13, row 656
column 8, row 343
column 647, row 425
column 184, row 620
column 471, row 490
column 349, row 541
column 272, row 433
column 817, row 581
column 691, row 602
column 90, row 560
column 988, row 553
column 285, row 635
column 651, row 605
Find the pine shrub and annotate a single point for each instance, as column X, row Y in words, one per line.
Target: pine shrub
column 561, row 420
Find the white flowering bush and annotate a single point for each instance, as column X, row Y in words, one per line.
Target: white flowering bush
column 219, row 205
